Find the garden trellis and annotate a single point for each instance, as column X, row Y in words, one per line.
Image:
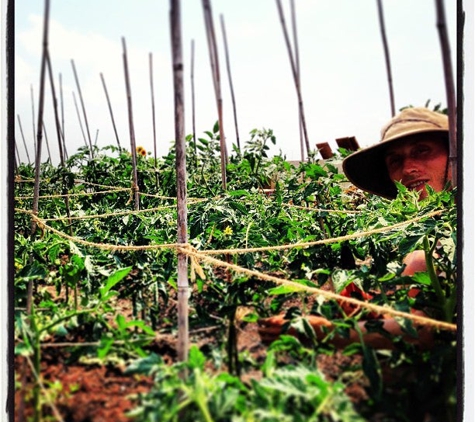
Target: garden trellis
column 196, row 254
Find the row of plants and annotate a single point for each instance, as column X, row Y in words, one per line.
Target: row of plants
column 77, row 287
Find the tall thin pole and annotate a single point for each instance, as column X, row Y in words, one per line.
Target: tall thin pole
column 449, row 87
column 55, row 108
column 47, row 143
column 294, row 73
column 193, row 115
column 386, row 56
column 133, row 150
column 183, row 289
column 154, row 127
column 213, row 54
column 33, row 115
column 23, row 137
column 82, row 106
column 110, row 110
column 297, row 68
column 80, row 124
column 62, row 116
column 231, row 87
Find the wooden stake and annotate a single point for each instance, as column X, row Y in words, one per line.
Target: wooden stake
column 294, row 73
column 62, row 116
column 152, row 94
column 183, row 288
column 231, row 87
column 386, row 56
column 80, row 125
column 55, row 108
column 213, row 55
column 62, row 152
column 449, row 87
column 110, row 110
column 297, row 68
column 83, row 107
column 47, row 143
column 192, row 77
column 23, row 137
column 33, row 115
column 133, row 149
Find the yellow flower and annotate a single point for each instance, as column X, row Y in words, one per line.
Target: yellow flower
column 228, row 231
column 141, row 151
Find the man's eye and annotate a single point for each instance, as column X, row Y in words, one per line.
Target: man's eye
column 420, row 151
column 393, row 160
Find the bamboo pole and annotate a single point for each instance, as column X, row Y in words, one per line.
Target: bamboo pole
column 80, row 125
column 386, row 56
column 231, row 86
column 294, row 73
column 33, row 115
column 133, row 152
column 55, row 109
column 36, row 196
column 110, row 110
column 83, row 107
column 449, row 87
column 183, row 288
column 62, row 116
column 17, row 155
column 213, row 54
column 154, row 126
column 297, row 68
column 23, row 137
column 47, row 143
column 193, row 115
column 62, row 152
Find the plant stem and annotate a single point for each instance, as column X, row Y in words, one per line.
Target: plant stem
column 434, row 279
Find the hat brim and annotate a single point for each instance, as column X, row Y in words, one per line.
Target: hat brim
column 366, row 169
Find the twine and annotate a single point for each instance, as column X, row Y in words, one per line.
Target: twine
column 196, row 256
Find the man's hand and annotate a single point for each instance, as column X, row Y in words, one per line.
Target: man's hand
column 271, row 328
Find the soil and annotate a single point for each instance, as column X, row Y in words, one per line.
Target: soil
column 93, row 392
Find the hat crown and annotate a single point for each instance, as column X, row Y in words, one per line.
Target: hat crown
column 414, row 120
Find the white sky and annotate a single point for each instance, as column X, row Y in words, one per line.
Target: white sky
column 343, row 74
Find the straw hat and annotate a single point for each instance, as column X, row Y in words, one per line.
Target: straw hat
column 366, row 168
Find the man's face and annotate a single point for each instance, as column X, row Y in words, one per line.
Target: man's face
column 417, row 161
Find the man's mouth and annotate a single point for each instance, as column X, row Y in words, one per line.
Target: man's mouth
column 418, row 184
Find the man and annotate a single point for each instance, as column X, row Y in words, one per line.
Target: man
column 413, row 150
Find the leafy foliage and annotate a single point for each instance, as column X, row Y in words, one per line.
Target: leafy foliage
column 269, row 203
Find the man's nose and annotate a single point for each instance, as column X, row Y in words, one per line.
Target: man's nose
column 410, row 165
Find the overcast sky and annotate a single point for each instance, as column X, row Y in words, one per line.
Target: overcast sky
column 343, row 74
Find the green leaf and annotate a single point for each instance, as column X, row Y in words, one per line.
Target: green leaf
column 196, row 359
column 284, row 290
column 113, row 279
column 422, row 278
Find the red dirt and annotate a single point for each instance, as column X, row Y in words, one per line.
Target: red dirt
column 103, row 393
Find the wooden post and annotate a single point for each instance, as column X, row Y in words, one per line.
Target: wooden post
column 302, row 122
column 192, row 79
column 152, row 94
column 23, row 137
column 231, row 87
column 83, row 107
column 133, row 150
column 449, row 87
column 62, row 115
column 33, row 115
column 213, row 55
column 80, row 125
column 183, row 289
column 110, row 110
column 297, row 68
column 386, row 56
